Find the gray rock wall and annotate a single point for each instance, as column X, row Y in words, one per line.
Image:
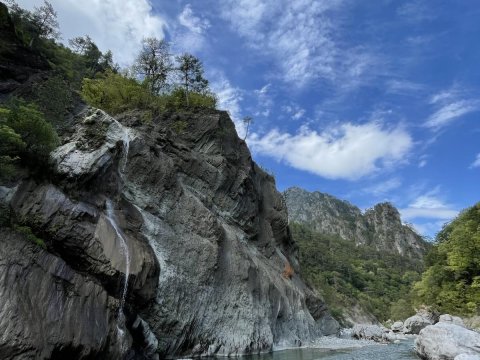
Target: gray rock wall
column 206, row 230
column 379, row 227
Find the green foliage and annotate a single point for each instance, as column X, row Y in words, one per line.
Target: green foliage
column 346, row 274
column 177, row 99
column 28, row 233
column 116, row 93
column 24, row 134
column 451, row 282
column 179, row 126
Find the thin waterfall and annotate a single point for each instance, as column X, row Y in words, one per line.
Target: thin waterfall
column 124, row 248
column 112, row 218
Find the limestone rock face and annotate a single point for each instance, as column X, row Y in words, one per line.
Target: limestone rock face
column 204, row 228
column 447, row 341
column 380, row 227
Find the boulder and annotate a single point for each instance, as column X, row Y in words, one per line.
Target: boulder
column 467, row 357
column 415, row 323
column 451, row 319
column 370, row 332
column 444, row 341
column 397, row 326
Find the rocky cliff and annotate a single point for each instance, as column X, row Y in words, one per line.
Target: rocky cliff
column 379, row 227
column 157, row 242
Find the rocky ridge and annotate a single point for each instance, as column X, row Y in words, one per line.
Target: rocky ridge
column 379, row 227
column 206, row 234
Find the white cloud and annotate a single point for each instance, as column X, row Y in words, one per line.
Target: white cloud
column 403, row 87
column 118, row 25
column 384, row 187
column 451, row 104
column 349, row 151
column 476, row 163
column 190, row 35
column 429, row 205
column 450, row 112
column 294, row 110
column 416, row 11
column 229, row 99
column 428, row 228
column 194, row 23
column 303, row 37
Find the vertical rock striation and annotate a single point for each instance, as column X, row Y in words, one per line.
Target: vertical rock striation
column 206, row 230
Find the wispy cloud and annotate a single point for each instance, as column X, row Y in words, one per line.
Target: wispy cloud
column 192, row 22
column 303, row 38
column 476, row 163
column 416, row 11
column 229, row 98
column 294, row 111
column 429, row 205
column 450, row 112
column 383, row 188
column 190, row 35
column 403, row 87
column 348, row 151
column 450, row 106
column 264, row 101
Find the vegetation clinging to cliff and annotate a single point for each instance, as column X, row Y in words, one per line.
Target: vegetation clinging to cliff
column 346, row 274
column 451, row 282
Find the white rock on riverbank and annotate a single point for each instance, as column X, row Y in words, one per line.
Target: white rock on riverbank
column 446, row 341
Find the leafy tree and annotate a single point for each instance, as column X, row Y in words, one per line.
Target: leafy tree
column 347, row 275
column 38, row 135
column 116, row 93
column 191, row 75
column 45, row 20
column 154, row 64
column 451, row 282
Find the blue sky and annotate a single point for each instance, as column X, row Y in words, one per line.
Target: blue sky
column 366, row 100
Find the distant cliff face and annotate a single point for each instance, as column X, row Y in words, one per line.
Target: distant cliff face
column 196, row 228
column 380, row 227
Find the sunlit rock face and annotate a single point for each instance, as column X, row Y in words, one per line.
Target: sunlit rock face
column 379, row 227
column 205, row 229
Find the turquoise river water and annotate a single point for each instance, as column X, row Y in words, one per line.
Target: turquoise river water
column 401, row 351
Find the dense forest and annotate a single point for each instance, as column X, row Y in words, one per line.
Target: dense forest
column 451, row 282
column 346, row 274
column 392, row 287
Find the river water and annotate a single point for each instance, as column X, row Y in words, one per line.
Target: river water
column 401, row 351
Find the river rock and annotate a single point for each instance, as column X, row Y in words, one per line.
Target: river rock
column 467, row 357
column 370, row 332
column 415, row 323
column 397, row 326
column 451, row 319
column 444, row 341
